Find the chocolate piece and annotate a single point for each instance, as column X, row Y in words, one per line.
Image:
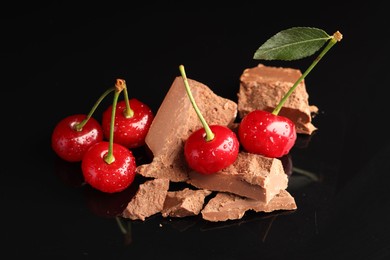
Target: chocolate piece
column 262, row 87
column 227, row 206
column 251, row 175
column 183, row 203
column 148, row 200
column 175, row 120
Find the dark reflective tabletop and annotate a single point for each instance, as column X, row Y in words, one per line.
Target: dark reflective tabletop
column 56, row 61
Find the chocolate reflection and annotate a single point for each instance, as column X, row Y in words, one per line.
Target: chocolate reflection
column 181, row 224
column 261, row 222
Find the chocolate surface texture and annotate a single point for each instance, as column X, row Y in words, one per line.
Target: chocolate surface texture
column 252, row 176
column 227, row 206
column 253, row 182
column 184, row 203
column 175, row 120
column 148, row 200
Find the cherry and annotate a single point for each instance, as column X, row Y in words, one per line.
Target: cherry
column 267, row 133
column 71, row 144
column 108, row 177
column 214, row 155
column 73, row 135
column 210, row 148
column 130, row 128
column 108, row 166
column 264, row 133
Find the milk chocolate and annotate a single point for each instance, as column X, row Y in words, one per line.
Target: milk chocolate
column 262, row 87
column 227, row 206
column 175, row 120
column 251, row 175
column 148, row 200
column 184, row 203
column 252, row 182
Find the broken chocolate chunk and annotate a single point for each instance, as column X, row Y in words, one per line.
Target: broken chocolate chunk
column 148, row 200
column 227, row 206
column 262, row 87
column 175, row 120
column 184, row 203
column 251, row 175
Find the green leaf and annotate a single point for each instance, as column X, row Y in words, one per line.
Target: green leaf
column 292, row 44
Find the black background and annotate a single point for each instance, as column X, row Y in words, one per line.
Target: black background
column 56, row 60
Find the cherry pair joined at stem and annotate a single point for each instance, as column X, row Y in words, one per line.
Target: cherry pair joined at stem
column 107, row 166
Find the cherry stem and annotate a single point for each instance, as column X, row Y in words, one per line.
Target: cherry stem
column 337, row 36
column 310, row 175
column 125, row 230
column 209, row 133
column 119, row 86
column 79, row 126
column 128, row 112
column 122, row 228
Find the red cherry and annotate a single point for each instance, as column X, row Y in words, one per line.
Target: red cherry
column 264, row 133
column 208, row 157
column 71, row 144
column 108, row 177
column 128, row 131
